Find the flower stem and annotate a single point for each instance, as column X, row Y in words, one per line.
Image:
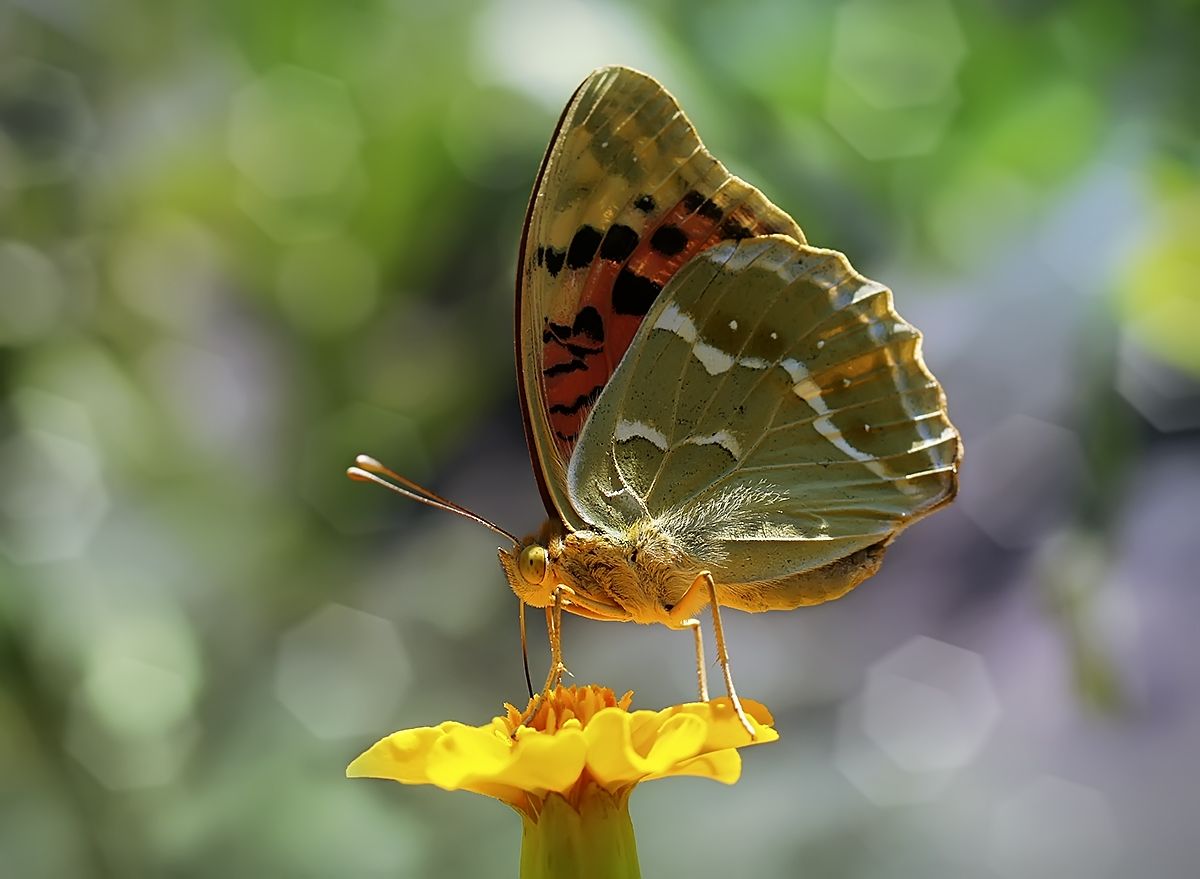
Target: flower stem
column 592, row 841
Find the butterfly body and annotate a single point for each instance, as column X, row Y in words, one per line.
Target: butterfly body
column 644, row 576
column 639, row 575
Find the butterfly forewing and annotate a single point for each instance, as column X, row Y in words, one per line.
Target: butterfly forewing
column 626, row 197
column 773, row 416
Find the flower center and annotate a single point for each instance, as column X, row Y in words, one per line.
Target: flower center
column 565, row 703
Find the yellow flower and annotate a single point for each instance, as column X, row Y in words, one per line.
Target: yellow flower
column 570, row 770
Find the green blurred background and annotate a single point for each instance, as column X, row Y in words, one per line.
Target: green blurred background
column 240, row 242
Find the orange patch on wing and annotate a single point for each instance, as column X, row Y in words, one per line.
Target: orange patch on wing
column 574, row 378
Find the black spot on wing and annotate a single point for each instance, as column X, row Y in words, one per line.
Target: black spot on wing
column 644, row 203
column 634, row 294
column 540, row 256
column 735, row 230
column 619, row 242
column 554, row 261
column 705, row 207
column 668, row 240
column 710, row 210
column 582, row 400
column 577, row 351
column 583, row 247
column 589, row 323
column 563, row 368
column 581, row 350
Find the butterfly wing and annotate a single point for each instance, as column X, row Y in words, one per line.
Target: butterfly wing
column 774, row 416
column 626, row 196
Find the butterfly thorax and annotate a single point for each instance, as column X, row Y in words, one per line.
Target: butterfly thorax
column 639, row 575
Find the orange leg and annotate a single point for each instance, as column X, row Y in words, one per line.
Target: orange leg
column 693, row 599
column 557, row 668
column 701, row 669
column 554, row 627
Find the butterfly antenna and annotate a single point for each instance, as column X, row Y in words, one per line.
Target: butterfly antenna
column 367, row 469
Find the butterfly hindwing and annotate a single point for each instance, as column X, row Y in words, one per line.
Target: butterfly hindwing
column 627, row 196
column 774, row 417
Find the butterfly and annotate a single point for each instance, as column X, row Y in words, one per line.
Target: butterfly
column 718, row 413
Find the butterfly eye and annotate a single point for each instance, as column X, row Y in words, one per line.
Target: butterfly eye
column 533, row 564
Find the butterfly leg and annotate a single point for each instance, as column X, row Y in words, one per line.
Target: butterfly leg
column 557, row 668
column 554, row 627
column 701, row 668
column 692, row 601
column 722, row 653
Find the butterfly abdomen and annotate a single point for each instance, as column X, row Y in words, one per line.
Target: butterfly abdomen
column 808, row 588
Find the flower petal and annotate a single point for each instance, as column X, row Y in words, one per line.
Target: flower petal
column 725, row 729
column 613, row 758
column 546, row 763
column 467, row 754
column 402, row 756
column 723, row 766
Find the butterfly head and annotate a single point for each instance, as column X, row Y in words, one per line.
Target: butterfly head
column 593, row 572
column 527, row 568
